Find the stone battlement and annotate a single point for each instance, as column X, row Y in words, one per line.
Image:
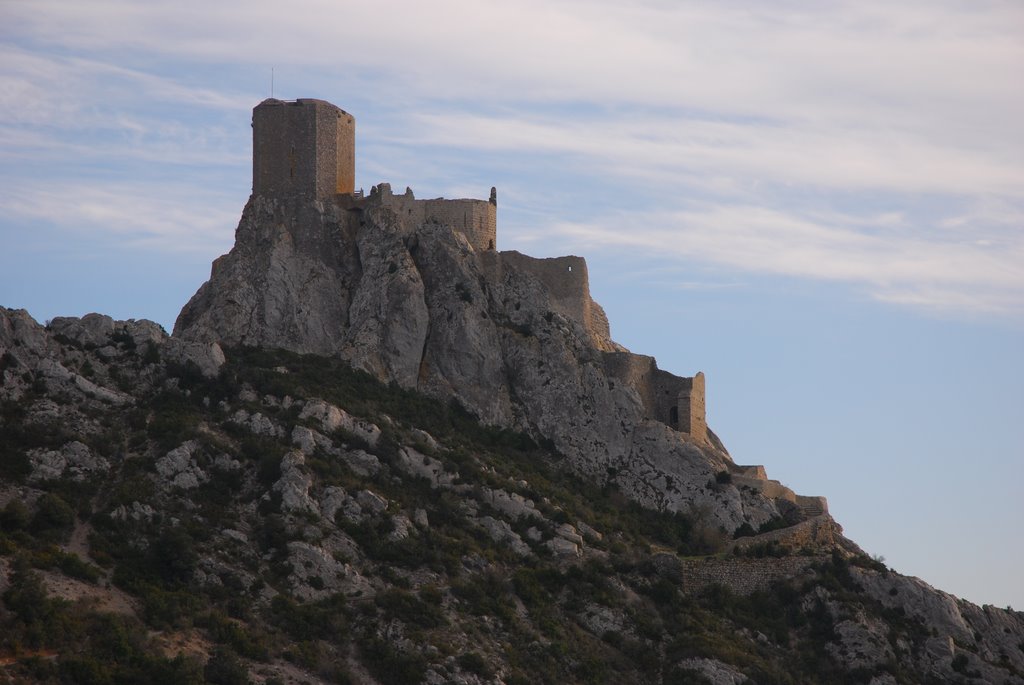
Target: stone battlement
column 477, row 220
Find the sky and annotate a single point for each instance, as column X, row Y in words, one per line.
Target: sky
column 820, row 205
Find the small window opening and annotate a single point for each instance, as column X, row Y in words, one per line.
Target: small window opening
column 570, row 268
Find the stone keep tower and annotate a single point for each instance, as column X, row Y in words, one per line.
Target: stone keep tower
column 692, row 418
column 305, row 148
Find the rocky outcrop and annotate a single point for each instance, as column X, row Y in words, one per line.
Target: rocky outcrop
column 516, row 340
column 71, row 356
column 980, row 636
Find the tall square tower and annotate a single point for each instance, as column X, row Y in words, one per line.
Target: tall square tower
column 304, row 148
column 691, row 413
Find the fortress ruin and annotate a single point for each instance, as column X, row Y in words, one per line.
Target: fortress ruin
column 305, row 149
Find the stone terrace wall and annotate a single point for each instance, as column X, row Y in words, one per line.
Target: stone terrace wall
column 742, row 575
column 820, row 531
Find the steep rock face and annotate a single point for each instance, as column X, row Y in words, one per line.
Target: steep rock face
column 296, row 291
column 516, row 340
column 72, row 356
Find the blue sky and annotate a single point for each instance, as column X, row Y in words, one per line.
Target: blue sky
column 820, row 205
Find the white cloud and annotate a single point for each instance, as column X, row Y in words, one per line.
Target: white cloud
column 126, row 214
column 689, row 150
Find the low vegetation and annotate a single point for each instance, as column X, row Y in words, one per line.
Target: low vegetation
column 419, row 585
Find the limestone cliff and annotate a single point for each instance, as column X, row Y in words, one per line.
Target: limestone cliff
column 516, row 340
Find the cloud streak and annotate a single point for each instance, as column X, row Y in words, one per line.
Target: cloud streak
column 941, row 275
column 134, row 215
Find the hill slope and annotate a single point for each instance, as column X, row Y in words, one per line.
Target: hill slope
column 177, row 512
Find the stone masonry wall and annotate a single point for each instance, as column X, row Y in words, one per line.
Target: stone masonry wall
column 817, row 532
column 477, row 220
column 742, row 575
column 635, row 371
column 567, row 282
column 676, row 401
column 692, row 413
column 304, row 148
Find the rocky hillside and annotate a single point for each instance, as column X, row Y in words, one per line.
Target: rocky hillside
column 177, row 512
column 372, row 453
column 515, row 340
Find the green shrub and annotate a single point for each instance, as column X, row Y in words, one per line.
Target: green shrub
column 54, row 518
column 325, row 619
column 224, row 668
column 391, row 666
column 408, row 608
column 15, row 516
column 485, row 595
column 474, row 663
column 224, row 631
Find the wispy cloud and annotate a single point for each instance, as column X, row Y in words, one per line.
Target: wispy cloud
column 684, row 149
column 929, row 272
column 135, row 215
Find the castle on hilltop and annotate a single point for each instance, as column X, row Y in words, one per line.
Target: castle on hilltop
column 306, row 148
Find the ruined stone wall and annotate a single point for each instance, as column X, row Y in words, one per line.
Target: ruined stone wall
column 668, row 388
column 568, row 284
column 772, row 489
column 692, row 416
column 475, row 219
column 676, row 401
column 818, row 532
column 743, row 576
column 750, row 471
column 406, row 208
column 304, row 148
column 635, row 370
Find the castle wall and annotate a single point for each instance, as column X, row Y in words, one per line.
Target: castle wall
column 673, row 400
column 667, row 389
column 744, row 576
column 568, row 284
column 772, row 489
column 819, row 531
column 634, row 370
column 303, row 148
column 477, row 220
column 692, row 413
